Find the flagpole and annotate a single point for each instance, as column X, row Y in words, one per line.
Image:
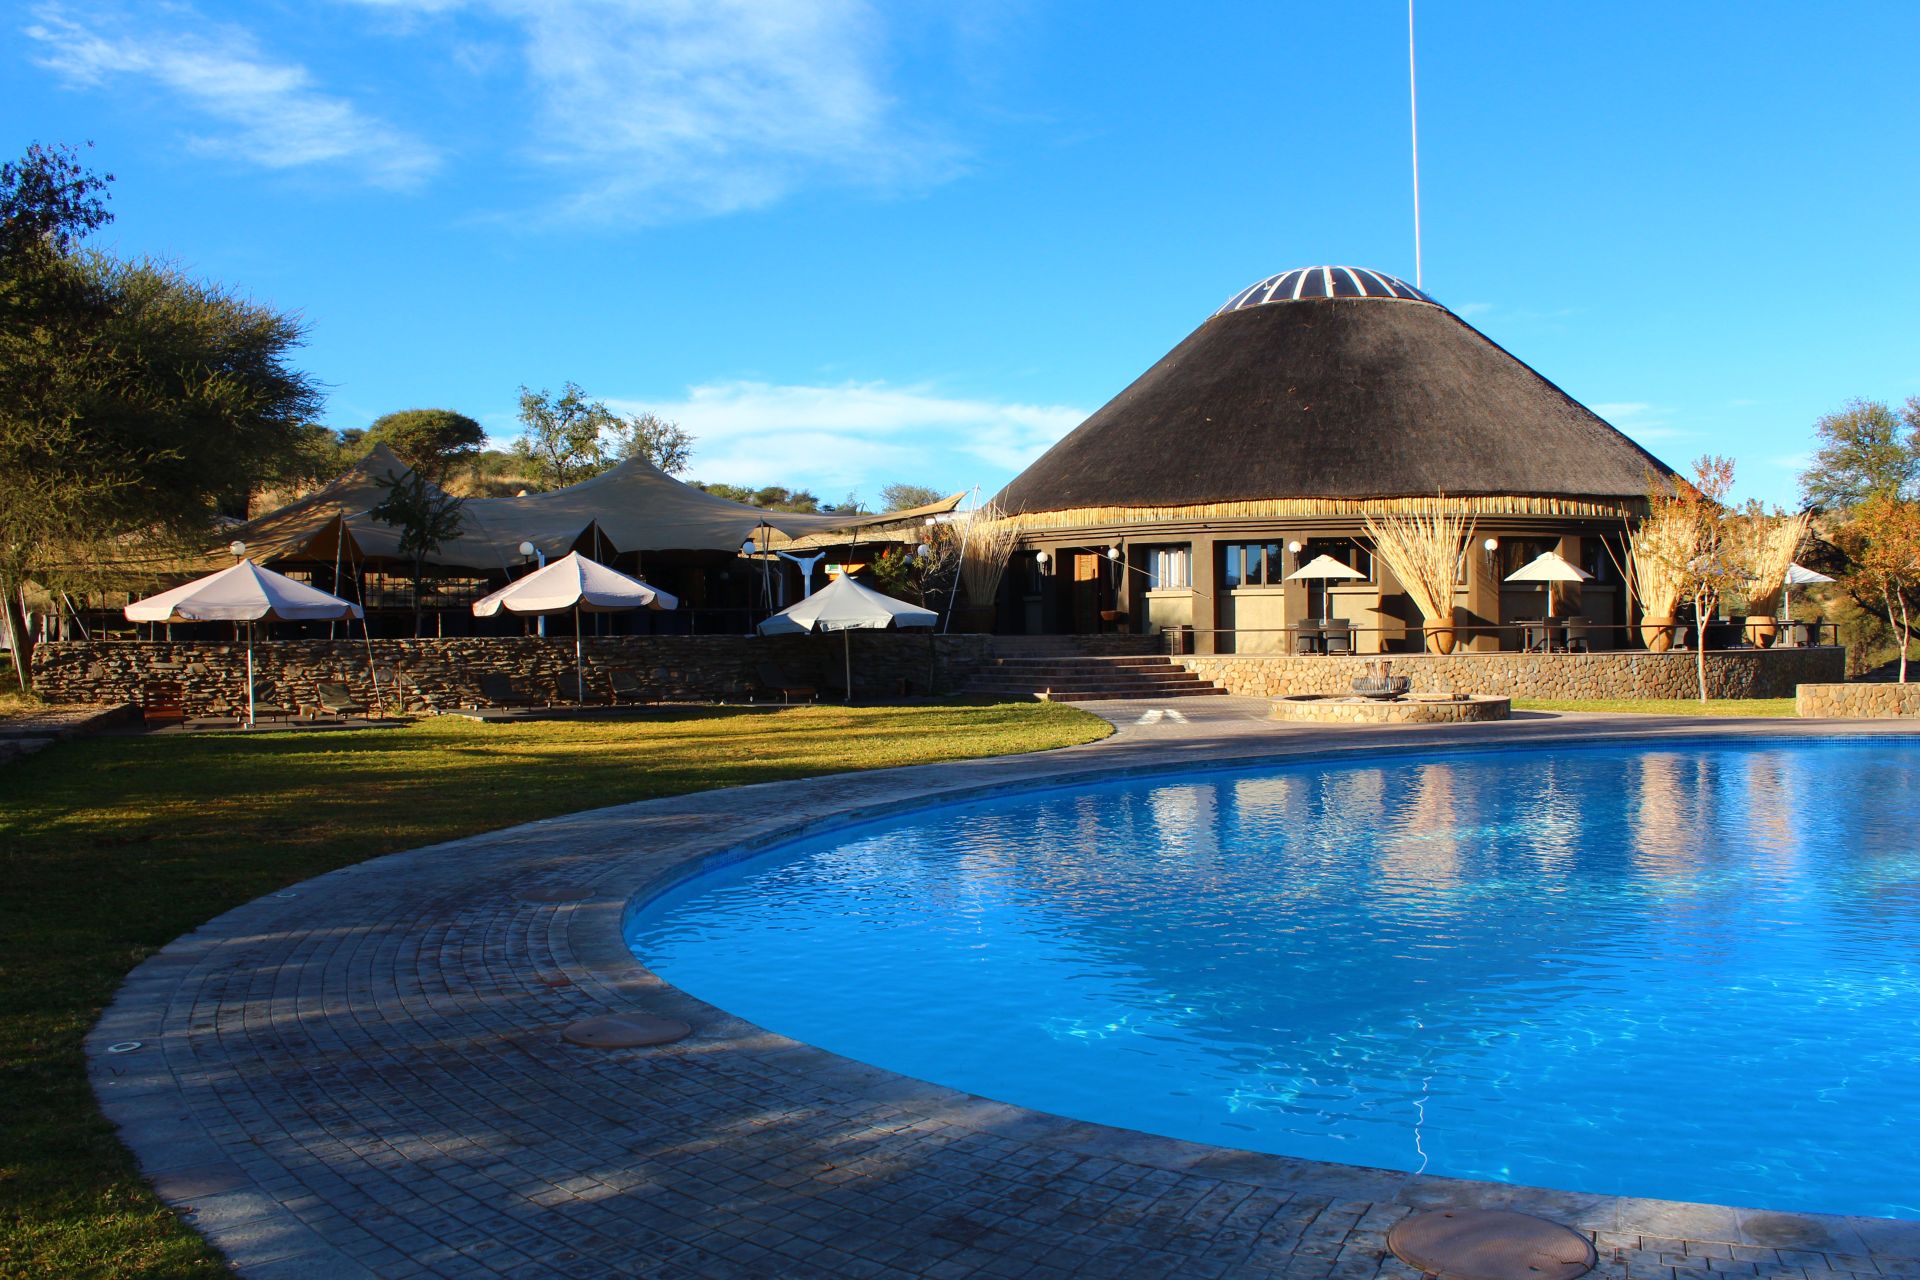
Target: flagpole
column 1413, row 110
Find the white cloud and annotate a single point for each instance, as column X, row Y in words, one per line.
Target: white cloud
column 1641, row 420
column 654, row 109
column 855, row 434
column 268, row 112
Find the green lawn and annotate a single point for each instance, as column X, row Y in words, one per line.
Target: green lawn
column 1663, row 706
column 111, row 847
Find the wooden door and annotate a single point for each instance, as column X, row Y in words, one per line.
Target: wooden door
column 1087, row 569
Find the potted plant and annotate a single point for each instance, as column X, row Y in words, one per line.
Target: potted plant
column 1423, row 551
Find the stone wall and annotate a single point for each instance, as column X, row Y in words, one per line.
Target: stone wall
column 1739, row 673
column 1873, row 700
column 443, row 674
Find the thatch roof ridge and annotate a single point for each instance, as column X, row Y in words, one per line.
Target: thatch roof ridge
column 1334, row 398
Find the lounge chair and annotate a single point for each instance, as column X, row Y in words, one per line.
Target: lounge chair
column 774, row 680
column 500, row 691
column 267, row 705
column 624, row 686
column 337, row 700
column 163, row 702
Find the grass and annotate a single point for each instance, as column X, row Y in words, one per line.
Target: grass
column 1663, row 706
column 111, row 847
column 12, row 701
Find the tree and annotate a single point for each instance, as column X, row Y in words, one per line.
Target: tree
column 1866, row 449
column 1687, row 541
column 428, row 518
column 653, row 439
column 1882, row 543
column 899, row 497
column 133, row 403
column 433, row 442
column 573, row 438
column 48, row 202
column 772, row 497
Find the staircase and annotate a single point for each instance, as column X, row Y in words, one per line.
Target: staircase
column 1058, row 669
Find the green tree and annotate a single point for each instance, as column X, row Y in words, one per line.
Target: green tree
column 1865, row 449
column 900, row 497
column 428, row 518
column 771, row 497
column 571, row 439
column 134, row 402
column 434, row 442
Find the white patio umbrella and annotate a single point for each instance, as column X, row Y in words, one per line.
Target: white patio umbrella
column 575, row 583
column 845, row 605
column 1324, row 568
column 1798, row 575
column 1546, row 569
column 245, row 593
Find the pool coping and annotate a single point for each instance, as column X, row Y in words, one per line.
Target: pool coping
column 395, row 1024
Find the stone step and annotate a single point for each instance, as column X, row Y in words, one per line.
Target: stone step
column 1131, row 660
column 1169, row 681
column 1133, row 695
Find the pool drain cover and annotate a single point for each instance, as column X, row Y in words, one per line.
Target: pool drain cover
column 556, row 893
column 1491, row 1244
column 625, row 1031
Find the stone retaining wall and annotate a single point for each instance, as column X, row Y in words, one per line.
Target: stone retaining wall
column 443, row 674
column 1864, row 701
column 1739, row 673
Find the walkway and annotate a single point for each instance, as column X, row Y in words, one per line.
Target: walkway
column 364, row 1076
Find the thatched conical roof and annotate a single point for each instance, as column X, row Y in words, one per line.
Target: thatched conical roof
column 1333, row 383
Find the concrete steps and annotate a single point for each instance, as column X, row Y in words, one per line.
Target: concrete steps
column 1051, row 669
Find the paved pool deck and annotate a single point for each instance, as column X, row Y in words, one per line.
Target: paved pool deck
column 364, row 1075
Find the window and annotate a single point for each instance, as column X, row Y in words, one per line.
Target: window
column 1345, row 550
column 1255, row 564
column 1167, row 568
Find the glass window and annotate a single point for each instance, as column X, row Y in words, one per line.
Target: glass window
column 1167, row 568
column 1345, row 550
column 1230, row 566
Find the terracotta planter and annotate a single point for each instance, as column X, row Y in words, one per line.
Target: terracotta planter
column 1439, row 639
column 1656, row 634
column 1761, row 630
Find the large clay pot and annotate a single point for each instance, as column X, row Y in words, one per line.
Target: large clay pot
column 1656, row 634
column 1439, row 638
column 1761, row 630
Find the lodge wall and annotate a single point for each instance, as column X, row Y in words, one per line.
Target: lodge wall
column 444, row 674
column 1738, row 673
column 1866, row 700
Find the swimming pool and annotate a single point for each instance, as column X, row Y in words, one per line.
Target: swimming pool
column 1689, row 972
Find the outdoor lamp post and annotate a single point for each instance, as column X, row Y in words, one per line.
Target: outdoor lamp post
column 236, row 548
column 539, row 558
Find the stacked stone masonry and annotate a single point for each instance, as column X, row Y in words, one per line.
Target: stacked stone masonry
column 440, row 675
column 1740, row 673
column 1874, row 701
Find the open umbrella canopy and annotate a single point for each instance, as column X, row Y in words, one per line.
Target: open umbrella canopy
column 1325, row 567
column 845, row 605
column 243, row 593
column 1548, row 567
column 574, row 582
column 1799, row 575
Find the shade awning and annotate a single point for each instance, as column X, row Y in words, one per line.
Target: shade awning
column 244, row 593
column 1548, row 567
column 574, row 582
column 845, row 605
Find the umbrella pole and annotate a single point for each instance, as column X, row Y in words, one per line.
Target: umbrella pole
column 579, row 663
column 249, row 675
column 847, row 635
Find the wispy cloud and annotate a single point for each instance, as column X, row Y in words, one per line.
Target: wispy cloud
column 1641, row 420
column 657, row 109
column 268, row 112
column 855, row 433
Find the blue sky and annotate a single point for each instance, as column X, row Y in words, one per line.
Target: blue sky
column 848, row 243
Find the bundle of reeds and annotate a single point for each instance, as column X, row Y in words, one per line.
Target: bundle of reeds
column 1658, row 553
column 1423, row 551
column 985, row 546
column 1773, row 543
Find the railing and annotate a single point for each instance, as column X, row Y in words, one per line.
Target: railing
column 1534, row 635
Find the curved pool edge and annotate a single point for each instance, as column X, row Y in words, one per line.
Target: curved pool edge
column 408, row 991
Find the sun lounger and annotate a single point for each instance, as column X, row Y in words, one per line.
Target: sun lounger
column 624, row 686
column 500, row 691
column 774, row 680
column 336, row 700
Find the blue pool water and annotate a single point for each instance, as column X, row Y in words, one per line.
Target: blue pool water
column 1688, row 972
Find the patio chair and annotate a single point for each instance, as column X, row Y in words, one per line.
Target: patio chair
column 624, row 686
column 500, row 691
column 1579, row 636
column 1307, row 639
column 267, row 704
column 774, row 680
column 337, row 700
column 1339, row 637
column 163, row 702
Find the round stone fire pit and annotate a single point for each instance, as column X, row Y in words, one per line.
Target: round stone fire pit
column 1322, row 708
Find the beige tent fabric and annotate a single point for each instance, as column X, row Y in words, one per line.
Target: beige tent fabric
column 635, row 506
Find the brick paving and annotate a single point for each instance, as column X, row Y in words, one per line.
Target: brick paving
column 365, row 1076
